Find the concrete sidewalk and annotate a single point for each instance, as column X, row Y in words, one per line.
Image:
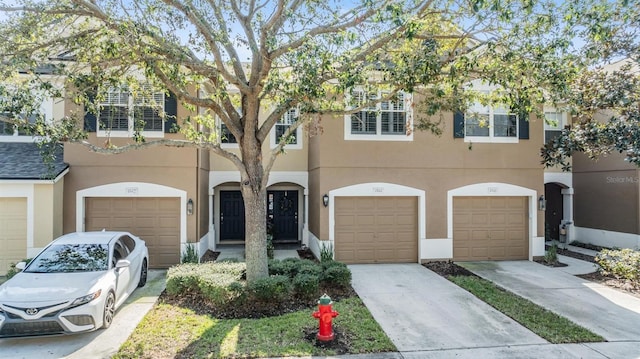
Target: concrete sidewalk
column 608, row 312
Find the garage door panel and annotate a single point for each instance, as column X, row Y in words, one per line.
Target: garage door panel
column 13, row 231
column 385, row 229
column 155, row 220
column 498, row 229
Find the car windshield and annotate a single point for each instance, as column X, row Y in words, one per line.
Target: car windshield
column 71, row 258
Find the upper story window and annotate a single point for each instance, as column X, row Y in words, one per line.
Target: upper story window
column 554, row 122
column 289, row 118
column 121, row 113
column 12, row 133
column 383, row 120
column 485, row 123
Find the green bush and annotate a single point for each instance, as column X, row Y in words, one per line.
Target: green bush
column 290, row 267
column 12, row 268
column 216, row 282
column 190, row 254
column 551, row 256
column 306, row 285
column 621, row 263
column 271, row 289
column 326, row 252
column 336, row 274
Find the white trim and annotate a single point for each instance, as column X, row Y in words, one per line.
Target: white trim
column 29, row 181
column 488, row 139
column 379, row 136
column 128, row 134
column 27, row 191
column 292, row 146
column 606, row 238
column 300, row 178
column 495, row 189
column 17, row 138
column 564, row 178
column 380, row 189
column 132, row 189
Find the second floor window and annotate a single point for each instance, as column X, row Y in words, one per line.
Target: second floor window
column 121, row 111
column 553, row 125
column 289, row 118
column 386, row 119
column 490, row 123
column 226, row 136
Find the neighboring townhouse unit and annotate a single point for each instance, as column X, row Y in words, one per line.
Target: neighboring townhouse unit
column 30, row 192
column 379, row 193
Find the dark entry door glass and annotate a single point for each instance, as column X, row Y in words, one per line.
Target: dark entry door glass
column 231, row 215
column 282, row 212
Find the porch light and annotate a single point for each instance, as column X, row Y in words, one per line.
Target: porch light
column 542, row 203
column 190, row 207
column 325, row 199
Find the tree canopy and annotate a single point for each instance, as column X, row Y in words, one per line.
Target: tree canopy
column 244, row 63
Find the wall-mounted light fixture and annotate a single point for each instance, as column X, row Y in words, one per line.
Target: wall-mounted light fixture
column 542, row 203
column 325, row 199
column 190, row 207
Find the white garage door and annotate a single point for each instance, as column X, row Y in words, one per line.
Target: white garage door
column 13, row 231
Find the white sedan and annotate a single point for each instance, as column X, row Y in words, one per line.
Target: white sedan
column 74, row 285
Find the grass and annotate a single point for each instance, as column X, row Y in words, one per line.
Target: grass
column 171, row 331
column 546, row 324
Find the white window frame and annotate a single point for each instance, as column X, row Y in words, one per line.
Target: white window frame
column 132, row 103
column 289, row 116
column 45, row 109
column 562, row 121
column 491, row 138
column 379, row 136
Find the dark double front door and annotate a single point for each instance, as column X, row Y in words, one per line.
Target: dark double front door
column 282, row 215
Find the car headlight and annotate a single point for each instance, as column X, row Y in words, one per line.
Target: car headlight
column 86, row 299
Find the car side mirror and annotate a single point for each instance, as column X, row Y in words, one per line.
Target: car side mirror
column 21, row 265
column 122, row 263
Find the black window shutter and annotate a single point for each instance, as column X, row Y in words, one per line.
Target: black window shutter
column 523, row 124
column 458, row 125
column 171, row 112
column 90, row 120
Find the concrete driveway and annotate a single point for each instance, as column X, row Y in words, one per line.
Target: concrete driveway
column 610, row 313
column 421, row 311
column 94, row 345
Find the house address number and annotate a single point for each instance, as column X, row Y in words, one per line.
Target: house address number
column 492, row 189
column 131, row 190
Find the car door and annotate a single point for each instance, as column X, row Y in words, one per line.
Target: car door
column 123, row 274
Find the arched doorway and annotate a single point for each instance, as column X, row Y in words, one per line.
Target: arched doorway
column 554, row 212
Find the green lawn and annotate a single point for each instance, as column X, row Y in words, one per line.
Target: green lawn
column 548, row 325
column 171, row 331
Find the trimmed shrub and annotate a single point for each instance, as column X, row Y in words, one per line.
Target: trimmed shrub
column 290, row 267
column 216, row 282
column 335, row 274
column 621, row 263
column 306, row 285
column 271, row 289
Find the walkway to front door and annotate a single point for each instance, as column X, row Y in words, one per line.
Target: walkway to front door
column 282, row 214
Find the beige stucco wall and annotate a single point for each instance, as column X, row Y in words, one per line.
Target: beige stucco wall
column 431, row 163
column 48, row 214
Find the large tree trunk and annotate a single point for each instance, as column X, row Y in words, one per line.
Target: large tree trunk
column 255, row 207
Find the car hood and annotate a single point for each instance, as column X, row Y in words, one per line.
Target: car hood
column 36, row 287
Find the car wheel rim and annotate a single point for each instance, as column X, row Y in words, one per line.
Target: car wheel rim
column 109, row 309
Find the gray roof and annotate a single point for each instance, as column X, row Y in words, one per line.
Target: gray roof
column 24, row 161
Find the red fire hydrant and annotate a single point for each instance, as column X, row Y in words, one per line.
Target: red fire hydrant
column 325, row 315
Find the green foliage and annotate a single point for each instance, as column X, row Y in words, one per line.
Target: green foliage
column 306, row 285
column 620, row 263
column 215, row 282
column 326, row 252
column 271, row 289
column 12, row 268
column 290, row 267
column 548, row 325
column 551, row 255
column 190, row 254
column 335, row 274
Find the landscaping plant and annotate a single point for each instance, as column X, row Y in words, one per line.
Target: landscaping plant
column 620, row 263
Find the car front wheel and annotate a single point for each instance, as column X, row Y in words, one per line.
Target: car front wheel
column 109, row 310
column 143, row 274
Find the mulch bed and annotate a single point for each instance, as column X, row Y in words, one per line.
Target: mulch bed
column 209, row 256
column 447, row 268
